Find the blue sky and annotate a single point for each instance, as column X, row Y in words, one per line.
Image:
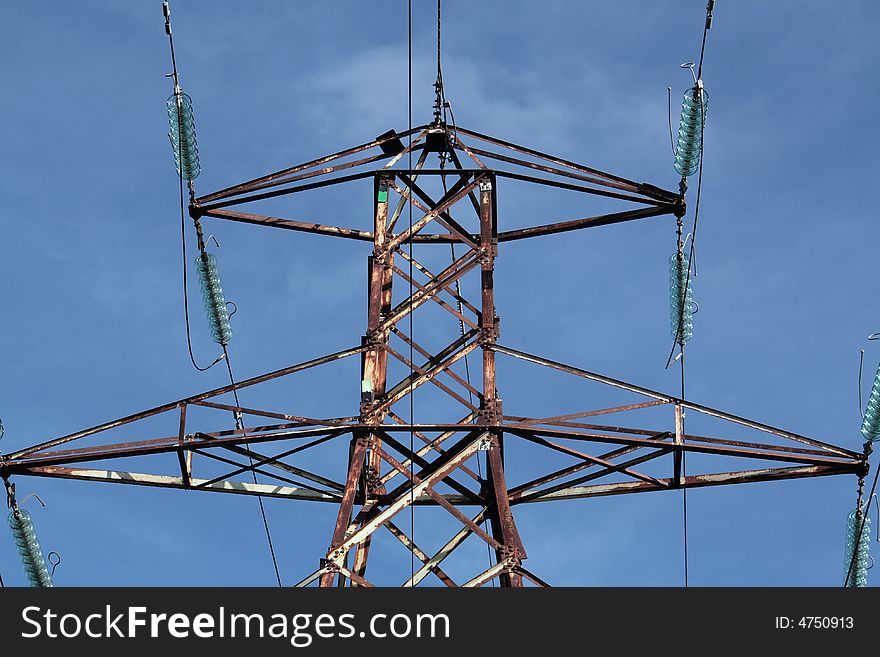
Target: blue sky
column 91, row 305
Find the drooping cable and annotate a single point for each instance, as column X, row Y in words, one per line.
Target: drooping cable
column 182, row 138
column 239, row 424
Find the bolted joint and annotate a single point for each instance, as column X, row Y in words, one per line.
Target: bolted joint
column 195, row 211
column 680, row 207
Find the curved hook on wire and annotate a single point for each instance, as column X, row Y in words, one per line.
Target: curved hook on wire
column 211, row 237
column 53, row 562
column 234, row 308
column 690, row 65
column 35, row 496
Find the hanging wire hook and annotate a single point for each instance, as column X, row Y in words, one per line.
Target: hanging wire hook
column 2, row 429
column 861, row 364
column 211, row 237
column 35, row 496
column 690, row 65
column 234, row 308
column 54, row 562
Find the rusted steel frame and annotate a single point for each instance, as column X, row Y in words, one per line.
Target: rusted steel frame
column 305, row 474
column 699, row 481
column 444, row 218
column 587, row 457
column 311, row 578
column 486, row 576
column 401, row 203
column 659, row 395
column 409, row 544
column 488, row 246
column 531, row 576
column 184, row 457
column 679, row 440
column 456, row 270
column 547, row 182
column 354, row 577
column 502, row 502
column 464, row 147
column 462, row 518
column 289, row 224
column 414, row 457
column 662, row 450
column 430, row 445
column 517, row 491
column 355, row 468
column 427, row 354
column 689, row 447
column 447, row 549
column 306, row 421
column 409, row 384
column 242, row 187
column 587, row 222
column 275, row 461
column 362, row 549
column 568, row 174
column 157, row 446
column 696, row 438
column 437, row 360
column 305, row 175
column 433, row 294
column 408, row 148
column 614, row 181
column 188, row 400
column 167, row 481
column 465, row 448
column 262, row 196
column 457, row 162
column 421, row 371
column 406, row 195
column 458, row 191
column 525, row 422
column 240, row 468
column 446, row 288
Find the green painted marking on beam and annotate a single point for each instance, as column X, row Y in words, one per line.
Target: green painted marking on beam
column 383, row 196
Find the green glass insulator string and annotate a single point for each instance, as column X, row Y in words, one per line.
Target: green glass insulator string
column 29, row 550
column 182, row 127
column 871, row 417
column 690, row 130
column 681, row 298
column 212, row 295
column 856, row 569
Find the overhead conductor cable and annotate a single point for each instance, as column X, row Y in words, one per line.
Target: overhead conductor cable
column 182, row 135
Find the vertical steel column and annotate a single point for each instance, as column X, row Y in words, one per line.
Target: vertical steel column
column 373, row 375
column 501, row 519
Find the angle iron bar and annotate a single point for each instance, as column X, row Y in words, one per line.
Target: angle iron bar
column 290, row 224
column 427, row 354
column 433, row 380
column 698, row 481
column 587, row 222
column 668, row 398
column 587, row 457
column 689, row 447
column 442, row 501
column 232, row 191
column 627, row 184
column 416, row 458
column 410, row 545
column 471, row 445
column 578, row 467
column 581, row 188
column 447, row 549
column 188, row 400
